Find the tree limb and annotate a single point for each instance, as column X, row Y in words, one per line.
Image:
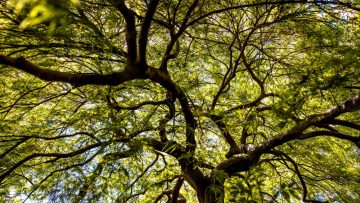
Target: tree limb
column 143, row 38
column 75, row 79
column 345, row 123
column 56, row 155
column 295, row 132
column 339, row 135
column 175, row 192
column 130, row 28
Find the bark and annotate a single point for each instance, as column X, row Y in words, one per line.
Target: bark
column 210, row 192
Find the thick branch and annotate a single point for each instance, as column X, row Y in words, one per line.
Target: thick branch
column 176, row 190
column 243, row 162
column 238, row 163
column 145, row 30
column 343, row 136
column 130, row 28
column 164, row 80
column 75, row 79
column 295, row 132
column 225, row 132
column 113, row 79
column 115, row 106
column 184, row 24
column 345, row 123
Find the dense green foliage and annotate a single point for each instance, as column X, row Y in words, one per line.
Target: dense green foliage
column 162, row 101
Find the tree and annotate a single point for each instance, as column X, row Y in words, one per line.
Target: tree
column 179, row 101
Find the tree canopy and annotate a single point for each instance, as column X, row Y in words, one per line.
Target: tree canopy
column 179, row 101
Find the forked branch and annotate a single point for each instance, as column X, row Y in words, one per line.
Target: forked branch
column 296, row 132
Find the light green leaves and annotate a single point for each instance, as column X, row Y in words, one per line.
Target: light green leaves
column 41, row 12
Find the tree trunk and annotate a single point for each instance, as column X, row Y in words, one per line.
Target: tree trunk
column 209, row 189
column 208, row 192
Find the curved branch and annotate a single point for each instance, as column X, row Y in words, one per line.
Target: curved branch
column 297, row 171
column 24, row 139
column 243, row 162
column 251, row 104
column 56, row 155
column 170, row 100
column 228, row 76
column 175, row 37
column 168, row 55
column 75, row 79
column 57, row 137
column 296, row 132
column 348, row 5
column 252, row 74
column 164, row 80
column 137, row 106
column 38, row 184
column 184, row 24
column 95, row 28
column 25, row 94
column 339, row 135
column 157, row 21
column 345, row 123
column 192, row 174
column 112, row 79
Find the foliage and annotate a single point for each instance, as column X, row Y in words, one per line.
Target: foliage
column 208, row 101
